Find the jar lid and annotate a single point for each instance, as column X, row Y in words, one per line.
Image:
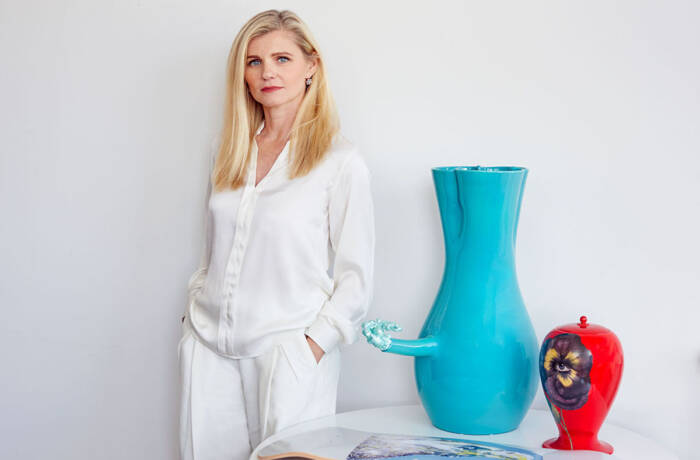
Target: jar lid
column 583, row 327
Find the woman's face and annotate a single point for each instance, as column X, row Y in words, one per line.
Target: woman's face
column 276, row 69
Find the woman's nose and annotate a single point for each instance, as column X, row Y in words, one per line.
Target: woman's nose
column 268, row 71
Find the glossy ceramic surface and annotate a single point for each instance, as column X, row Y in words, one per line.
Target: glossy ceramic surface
column 476, row 355
column 580, row 368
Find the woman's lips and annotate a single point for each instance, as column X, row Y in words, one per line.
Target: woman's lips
column 268, row 89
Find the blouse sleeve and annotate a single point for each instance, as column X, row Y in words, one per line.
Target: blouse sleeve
column 352, row 237
column 196, row 280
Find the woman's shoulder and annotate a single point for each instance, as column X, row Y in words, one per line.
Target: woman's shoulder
column 343, row 152
column 341, row 146
column 346, row 161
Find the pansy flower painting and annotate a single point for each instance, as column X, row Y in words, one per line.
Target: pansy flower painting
column 565, row 365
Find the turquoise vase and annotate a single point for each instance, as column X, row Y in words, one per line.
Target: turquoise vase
column 476, row 355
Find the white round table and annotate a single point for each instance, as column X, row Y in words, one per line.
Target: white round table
column 537, row 427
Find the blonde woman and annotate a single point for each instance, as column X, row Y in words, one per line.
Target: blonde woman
column 289, row 199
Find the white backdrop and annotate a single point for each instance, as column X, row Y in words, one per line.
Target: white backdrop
column 107, row 109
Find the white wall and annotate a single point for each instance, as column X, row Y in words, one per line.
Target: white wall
column 106, row 111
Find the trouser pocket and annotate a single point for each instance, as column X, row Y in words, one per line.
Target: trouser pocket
column 294, row 388
column 299, row 356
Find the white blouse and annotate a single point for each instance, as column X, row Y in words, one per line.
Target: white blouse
column 267, row 251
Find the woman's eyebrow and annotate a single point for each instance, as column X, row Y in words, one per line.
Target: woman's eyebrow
column 273, row 54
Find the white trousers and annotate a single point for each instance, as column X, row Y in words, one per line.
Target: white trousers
column 228, row 406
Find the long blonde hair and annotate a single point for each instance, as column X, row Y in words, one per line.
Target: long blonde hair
column 316, row 122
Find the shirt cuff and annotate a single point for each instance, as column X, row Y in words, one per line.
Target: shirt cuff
column 325, row 335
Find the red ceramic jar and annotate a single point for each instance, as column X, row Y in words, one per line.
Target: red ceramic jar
column 580, row 368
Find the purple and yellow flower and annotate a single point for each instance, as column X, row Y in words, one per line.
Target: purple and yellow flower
column 565, row 365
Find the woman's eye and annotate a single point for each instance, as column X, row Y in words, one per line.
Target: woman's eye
column 254, row 62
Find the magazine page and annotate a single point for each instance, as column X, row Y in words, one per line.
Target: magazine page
column 389, row 446
column 334, row 443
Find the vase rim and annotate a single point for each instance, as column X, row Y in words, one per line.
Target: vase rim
column 478, row 168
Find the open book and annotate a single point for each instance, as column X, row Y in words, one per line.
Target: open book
column 334, row 443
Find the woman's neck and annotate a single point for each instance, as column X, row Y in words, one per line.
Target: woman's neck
column 279, row 121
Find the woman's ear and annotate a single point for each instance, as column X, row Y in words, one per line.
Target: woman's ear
column 313, row 66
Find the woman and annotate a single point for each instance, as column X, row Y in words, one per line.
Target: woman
column 264, row 322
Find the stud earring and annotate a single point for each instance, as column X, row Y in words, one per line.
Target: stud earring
column 308, row 81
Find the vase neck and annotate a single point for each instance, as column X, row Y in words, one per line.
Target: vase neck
column 479, row 207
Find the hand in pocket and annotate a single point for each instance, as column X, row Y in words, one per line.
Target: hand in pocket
column 315, row 348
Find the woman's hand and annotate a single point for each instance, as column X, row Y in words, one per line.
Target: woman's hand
column 315, row 349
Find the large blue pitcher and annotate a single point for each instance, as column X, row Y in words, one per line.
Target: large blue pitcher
column 476, row 355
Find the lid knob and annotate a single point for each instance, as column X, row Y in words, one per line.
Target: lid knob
column 584, row 322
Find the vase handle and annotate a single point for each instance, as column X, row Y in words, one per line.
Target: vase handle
column 375, row 331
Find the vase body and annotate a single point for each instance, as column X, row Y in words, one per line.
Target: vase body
column 580, row 368
column 482, row 376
